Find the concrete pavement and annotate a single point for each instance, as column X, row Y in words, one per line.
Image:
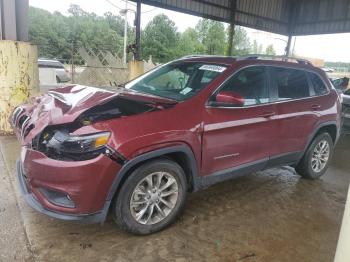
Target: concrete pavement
column 272, row 215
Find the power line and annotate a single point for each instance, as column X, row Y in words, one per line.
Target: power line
column 113, row 4
column 151, row 10
column 129, row 3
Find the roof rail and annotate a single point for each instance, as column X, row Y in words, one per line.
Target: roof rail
column 204, row 56
column 273, row 57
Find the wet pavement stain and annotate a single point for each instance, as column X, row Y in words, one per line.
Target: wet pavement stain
column 272, row 215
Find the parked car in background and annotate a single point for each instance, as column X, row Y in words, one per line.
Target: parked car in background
column 137, row 151
column 346, row 110
column 340, row 83
column 52, row 70
column 327, row 69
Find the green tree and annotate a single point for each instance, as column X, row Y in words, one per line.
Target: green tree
column 189, row 43
column 270, row 50
column 49, row 31
column 211, row 34
column 160, row 39
column 257, row 48
column 241, row 43
column 55, row 33
column 91, row 31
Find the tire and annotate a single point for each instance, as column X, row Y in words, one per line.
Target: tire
column 58, row 80
column 125, row 214
column 307, row 167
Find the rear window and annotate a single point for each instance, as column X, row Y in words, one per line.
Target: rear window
column 318, row 85
column 291, row 83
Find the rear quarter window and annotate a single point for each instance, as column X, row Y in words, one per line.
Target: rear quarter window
column 318, row 85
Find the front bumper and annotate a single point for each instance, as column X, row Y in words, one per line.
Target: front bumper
column 86, row 183
column 33, row 202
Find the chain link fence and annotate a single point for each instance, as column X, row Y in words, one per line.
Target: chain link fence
column 100, row 68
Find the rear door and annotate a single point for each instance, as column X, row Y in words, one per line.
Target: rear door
column 297, row 108
column 240, row 136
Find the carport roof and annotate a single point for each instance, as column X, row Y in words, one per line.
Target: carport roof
column 286, row 17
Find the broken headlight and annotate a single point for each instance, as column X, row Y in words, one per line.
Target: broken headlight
column 64, row 146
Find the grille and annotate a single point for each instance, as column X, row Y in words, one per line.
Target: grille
column 15, row 115
column 22, row 120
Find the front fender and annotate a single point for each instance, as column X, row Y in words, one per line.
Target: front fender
column 122, row 174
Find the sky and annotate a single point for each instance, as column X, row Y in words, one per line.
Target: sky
column 334, row 47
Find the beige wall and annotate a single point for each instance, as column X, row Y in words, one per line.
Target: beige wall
column 18, row 77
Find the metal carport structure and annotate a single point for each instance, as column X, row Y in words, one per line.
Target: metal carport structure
column 285, row 17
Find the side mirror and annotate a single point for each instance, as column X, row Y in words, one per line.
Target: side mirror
column 229, row 98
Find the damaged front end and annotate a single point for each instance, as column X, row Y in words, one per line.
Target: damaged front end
column 59, row 144
column 67, row 163
column 48, row 124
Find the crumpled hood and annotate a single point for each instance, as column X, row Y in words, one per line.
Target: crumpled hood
column 64, row 105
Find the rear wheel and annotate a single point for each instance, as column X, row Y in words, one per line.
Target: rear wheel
column 316, row 159
column 151, row 198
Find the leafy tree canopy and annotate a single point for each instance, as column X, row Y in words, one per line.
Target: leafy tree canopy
column 270, row 50
column 57, row 35
column 160, row 39
column 212, row 36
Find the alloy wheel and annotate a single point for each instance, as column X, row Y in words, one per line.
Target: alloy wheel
column 154, row 198
column 320, row 156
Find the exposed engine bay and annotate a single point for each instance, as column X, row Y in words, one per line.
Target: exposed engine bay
column 57, row 142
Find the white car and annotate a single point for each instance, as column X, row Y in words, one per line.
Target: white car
column 52, row 71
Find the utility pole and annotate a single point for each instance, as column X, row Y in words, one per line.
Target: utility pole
column 138, row 31
column 125, row 32
column 233, row 4
column 136, row 66
column 72, row 63
column 287, row 53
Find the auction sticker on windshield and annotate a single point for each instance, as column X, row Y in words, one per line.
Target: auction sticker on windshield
column 214, row 68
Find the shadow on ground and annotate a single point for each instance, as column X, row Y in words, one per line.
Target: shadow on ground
column 272, row 215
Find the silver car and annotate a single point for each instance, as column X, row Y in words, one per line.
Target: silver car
column 62, row 75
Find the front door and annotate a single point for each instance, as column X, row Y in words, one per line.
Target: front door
column 239, row 135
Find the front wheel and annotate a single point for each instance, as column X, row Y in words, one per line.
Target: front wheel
column 151, row 198
column 317, row 158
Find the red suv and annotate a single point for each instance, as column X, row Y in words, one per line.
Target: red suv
column 182, row 127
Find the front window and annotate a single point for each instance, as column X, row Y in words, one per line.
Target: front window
column 178, row 80
column 250, row 84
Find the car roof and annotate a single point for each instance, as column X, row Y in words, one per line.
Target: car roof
column 48, row 60
column 50, row 63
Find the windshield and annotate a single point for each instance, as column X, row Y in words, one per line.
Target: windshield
column 178, row 80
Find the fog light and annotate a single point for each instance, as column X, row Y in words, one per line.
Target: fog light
column 58, row 198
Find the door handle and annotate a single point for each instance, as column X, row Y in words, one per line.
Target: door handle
column 315, row 107
column 267, row 114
